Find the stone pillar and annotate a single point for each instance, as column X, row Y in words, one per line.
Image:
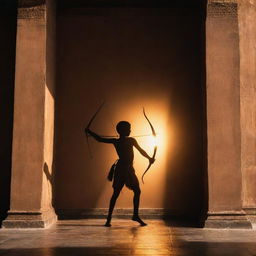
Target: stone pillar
column 32, row 156
column 223, row 117
column 247, row 35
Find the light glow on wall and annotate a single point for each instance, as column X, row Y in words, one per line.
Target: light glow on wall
column 156, row 173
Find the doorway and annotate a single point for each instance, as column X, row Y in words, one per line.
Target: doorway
column 132, row 56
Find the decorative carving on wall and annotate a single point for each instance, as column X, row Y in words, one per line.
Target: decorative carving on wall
column 222, row 1
column 31, row 9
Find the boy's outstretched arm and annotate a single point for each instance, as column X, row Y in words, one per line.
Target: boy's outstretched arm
column 98, row 138
column 143, row 152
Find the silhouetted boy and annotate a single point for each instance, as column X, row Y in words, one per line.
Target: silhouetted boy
column 124, row 173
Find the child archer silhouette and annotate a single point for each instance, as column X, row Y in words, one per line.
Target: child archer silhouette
column 123, row 171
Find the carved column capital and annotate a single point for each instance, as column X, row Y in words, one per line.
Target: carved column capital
column 222, row 1
column 222, row 8
column 31, row 9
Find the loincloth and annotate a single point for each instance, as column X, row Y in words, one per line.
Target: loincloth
column 125, row 175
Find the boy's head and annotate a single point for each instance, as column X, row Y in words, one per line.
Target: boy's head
column 123, row 128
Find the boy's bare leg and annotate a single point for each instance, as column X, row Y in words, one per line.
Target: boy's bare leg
column 112, row 205
column 136, row 202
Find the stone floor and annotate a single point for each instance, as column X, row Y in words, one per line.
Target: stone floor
column 89, row 237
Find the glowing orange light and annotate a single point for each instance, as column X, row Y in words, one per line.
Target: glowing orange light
column 153, row 141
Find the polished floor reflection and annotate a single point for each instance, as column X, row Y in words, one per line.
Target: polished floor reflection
column 90, row 237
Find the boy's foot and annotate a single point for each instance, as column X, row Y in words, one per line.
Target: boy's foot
column 138, row 219
column 107, row 224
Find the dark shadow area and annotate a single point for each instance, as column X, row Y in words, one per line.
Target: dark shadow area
column 81, row 225
column 183, row 221
column 50, row 178
column 171, row 223
column 8, row 17
column 64, row 4
column 179, row 248
column 204, row 178
column 214, row 248
column 187, row 180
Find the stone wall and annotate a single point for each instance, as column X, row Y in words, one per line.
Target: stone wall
column 230, row 47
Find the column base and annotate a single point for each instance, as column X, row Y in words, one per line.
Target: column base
column 234, row 219
column 251, row 215
column 34, row 219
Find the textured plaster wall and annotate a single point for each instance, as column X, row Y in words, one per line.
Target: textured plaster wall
column 31, row 185
column 223, row 107
column 27, row 157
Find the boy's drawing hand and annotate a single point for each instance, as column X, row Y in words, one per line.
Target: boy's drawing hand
column 151, row 160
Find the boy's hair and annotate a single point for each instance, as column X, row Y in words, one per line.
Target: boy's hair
column 122, row 126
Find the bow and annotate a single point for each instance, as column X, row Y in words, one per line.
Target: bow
column 155, row 147
column 89, row 124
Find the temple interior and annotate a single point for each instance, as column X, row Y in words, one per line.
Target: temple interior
column 182, row 73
